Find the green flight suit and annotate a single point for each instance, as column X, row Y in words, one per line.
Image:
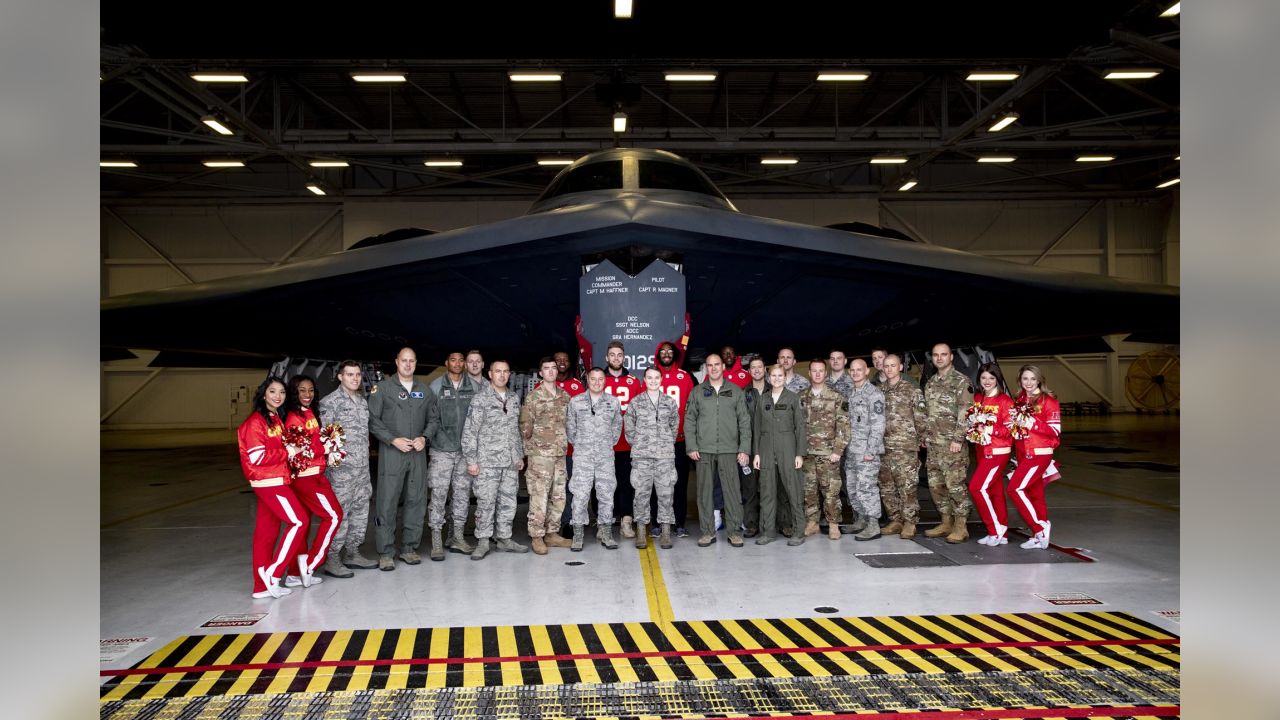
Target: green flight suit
column 779, row 436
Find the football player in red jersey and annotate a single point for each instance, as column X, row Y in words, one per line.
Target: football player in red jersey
column 623, row 386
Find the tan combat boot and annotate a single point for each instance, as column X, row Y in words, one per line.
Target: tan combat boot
column 893, row 528
column 810, row 528
column 959, row 529
column 555, row 540
column 908, row 530
column 539, row 546
column 833, row 531
column 943, row 528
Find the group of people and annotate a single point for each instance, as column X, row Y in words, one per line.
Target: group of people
column 772, row 451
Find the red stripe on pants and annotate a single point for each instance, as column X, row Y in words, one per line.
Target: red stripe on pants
column 1027, row 491
column 987, row 488
column 277, row 507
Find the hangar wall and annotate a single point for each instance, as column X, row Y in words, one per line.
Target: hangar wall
column 151, row 246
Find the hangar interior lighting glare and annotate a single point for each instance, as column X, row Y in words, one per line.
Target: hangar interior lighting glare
column 224, row 163
column 779, row 160
column 117, row 164
column 329, row 163
column 551, row 162
column 619, row 122
column 315, row 188
column 910, row 183
column 843, row 76
column 997, row 159
column 1003, row 122
column 691, row 75
column 378, row 77
column 1132, row 74
column 219, row 77
column 1169, row 183
column 992, row 76
column 1095, row 158
column 1172, row 10
column 1177, row 157
column 443, row 163
column 888, row 160
column 216, row 125
column 622, row 8
column 534, row 76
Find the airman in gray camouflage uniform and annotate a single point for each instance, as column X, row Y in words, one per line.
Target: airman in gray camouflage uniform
column 347, row 407
column 905, row 423
column 796, row 382
column 595, row 423
column 650, row 423
column 542, row 424
column 827, row 428
column 494, row 450
column 446, row 413
column 947, row 396
column 862, row 458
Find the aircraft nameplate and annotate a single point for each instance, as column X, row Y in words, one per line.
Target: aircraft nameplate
column 641, row 311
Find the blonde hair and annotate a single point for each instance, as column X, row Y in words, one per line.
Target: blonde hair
column 1039, row 376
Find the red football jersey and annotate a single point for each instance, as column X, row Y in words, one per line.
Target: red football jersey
column 623, row 387
column 678, row 384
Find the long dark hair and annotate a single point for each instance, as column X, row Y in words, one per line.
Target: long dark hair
column 994, row 369
column 291, row 402
column 260, row 397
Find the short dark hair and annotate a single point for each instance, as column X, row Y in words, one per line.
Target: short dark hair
column 615, row 344
column 546, row 359
column 346, row 364
column 598, row 369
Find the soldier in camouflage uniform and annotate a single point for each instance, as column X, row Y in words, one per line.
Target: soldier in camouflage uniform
column 542, row 423
column 594, row 426
column 651, row 422
column 494, row 451
column 826, row 415
column 862, row 458
column 905, row 423
column 347, row 407
column 947, row 396
column 795, row 381
column 839, row 380
column 446, row 413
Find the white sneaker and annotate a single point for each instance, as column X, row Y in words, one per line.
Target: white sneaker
column 263, row 594
column 719, row 522
column 274, row 589
column 1045, row 532
column 308, row 578
column 296, row 581
column 1037, row 542
column 988, row 540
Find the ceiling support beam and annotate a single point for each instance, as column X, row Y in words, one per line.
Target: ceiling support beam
column 132, row 394
column 1159, row 52
column 905, row 224
column 307, row 238
column 551, row 114
column 676, row 110
column 1063, row 235
column 446, row 106
column 1074, row 373
column 160, row 253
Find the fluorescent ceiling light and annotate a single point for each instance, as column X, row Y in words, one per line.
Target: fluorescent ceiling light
column 843, row 76
column 117, row 163
column 443, row 163
column 1132, row 74
column 1095, row 158
column 907, row 185
column 328, row 163
column 619, row 122
column 219, row 77
column 779, row 161
column 378, row 77
column 1003, row 122
column 992, row 76
column 888, row 160
column 315, row 188
column 691, row 75
column 1177, row 157
column 534, row 76
column 216, row 125
column 1174, row 9
column 1169, row 183
column 224, row 163
column 622, row 8
column 554, row 161
column 997, row 159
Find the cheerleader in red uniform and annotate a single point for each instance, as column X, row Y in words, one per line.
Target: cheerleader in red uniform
column 1037, row 425
column 264, row 458
column 310, row 485
column 989, row 431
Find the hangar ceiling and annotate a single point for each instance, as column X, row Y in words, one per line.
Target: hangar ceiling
column 299, row 103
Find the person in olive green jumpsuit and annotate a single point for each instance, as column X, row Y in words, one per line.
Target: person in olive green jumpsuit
column 779, row 439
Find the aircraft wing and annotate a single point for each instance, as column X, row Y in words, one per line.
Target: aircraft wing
column 511, row 289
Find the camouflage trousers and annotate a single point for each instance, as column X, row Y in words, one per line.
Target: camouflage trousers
column 647, row 476
column 495, row 490
column 448, row 470
column 899, row 478
column 949, row 478
column 587, row 476
column 862, row 485
column 821, row 478
column 545, row 479
column 352, row 488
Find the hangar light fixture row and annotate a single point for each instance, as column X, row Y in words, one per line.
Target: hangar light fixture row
column 1132, row 73
column 117, row 164
column 992, row 76
column 316, row 188
column 619, row 122
column 622, row 8
column 534, row 76
column 219, row 77
column 378, row 77
column 1004, row 122
column 1095, row 158
column 441, row 163
column 843, row 76
column 224, row 163
column 907, row 185
column 1168, row 183
column 691, row 75
column 216, row 125
column 888, row 160
column 997, row 159
column 554, row 162
column 778, row 160
column 329, row 163
column 1172, row 10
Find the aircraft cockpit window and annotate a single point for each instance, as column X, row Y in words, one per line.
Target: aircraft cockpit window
column 672, row 176
column 605, row 175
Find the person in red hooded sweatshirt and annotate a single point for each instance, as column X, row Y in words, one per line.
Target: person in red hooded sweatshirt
column 676, row 383
column 310, row 485
column 264, row 459
column 1035, row 453
column 989, row 432
column 733, row 371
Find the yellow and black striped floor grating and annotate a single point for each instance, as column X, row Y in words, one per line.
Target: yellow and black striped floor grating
column 1074, row 662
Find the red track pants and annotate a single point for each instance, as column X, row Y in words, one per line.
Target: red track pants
column 316, row 496
column 1027, row 491
column 987, row 488
column 277, row 507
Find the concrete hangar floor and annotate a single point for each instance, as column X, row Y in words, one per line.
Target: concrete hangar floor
column 885, row 628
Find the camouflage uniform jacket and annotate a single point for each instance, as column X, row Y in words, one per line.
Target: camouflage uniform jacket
column 843, row 385
column 878, row 379
column 866, row 421
column 491, row 432
column 826, row 418
column 947, row 397
column 447, row 411
column 353, row 415
column 542, row 422
column 651, row 427
column 797, row 383
column 594, row 428
column 905, row 418
column 716, row 422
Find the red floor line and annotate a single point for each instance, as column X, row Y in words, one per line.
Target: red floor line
column 1154, row 711
column 631, row 655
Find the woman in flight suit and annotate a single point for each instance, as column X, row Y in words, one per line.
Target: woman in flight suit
column 779, row 439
